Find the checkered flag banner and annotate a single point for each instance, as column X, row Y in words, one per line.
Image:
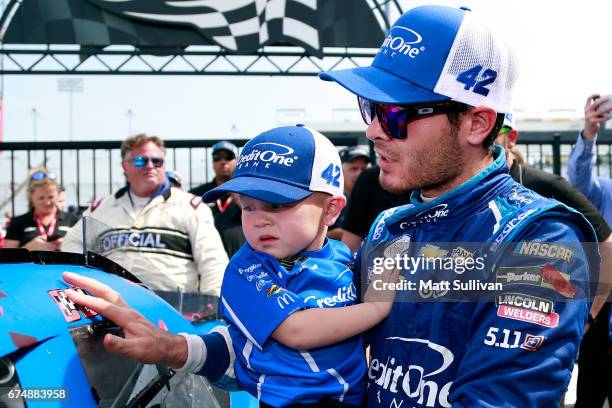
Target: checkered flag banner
column 240, row 26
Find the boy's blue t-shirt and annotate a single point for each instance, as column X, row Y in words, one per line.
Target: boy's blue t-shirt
column 259, row 293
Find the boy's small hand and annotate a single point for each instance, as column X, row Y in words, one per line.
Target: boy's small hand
column 381, row 290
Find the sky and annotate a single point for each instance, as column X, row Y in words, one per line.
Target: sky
column 563, row 48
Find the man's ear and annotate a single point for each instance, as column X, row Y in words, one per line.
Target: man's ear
column 332, row 209
column 123, row 165
column 481, row 123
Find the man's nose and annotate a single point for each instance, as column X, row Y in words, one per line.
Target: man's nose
column 375, row 131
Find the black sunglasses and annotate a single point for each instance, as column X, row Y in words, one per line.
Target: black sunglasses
column 226, row 157
column 394, row 119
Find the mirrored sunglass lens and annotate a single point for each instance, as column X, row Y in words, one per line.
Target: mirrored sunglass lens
column 38, row 175
column 366, row 109
column 140, row 161
column 51, row 176
column 393, row 120
column 157, row 162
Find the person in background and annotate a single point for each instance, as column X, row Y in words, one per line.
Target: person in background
column 224, row 162
column 367, row 200
column 226, row 210
column 547, row 184
column 580, row 164
column 163, row 235
column 595, row 361
column 175, row 179
column 354, row 160
column 44, row 225
column 61, row 198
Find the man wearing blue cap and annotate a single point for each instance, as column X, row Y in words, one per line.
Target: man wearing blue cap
column 434, row 100
column 225, row 210
column 354, row 160
column 224, row 155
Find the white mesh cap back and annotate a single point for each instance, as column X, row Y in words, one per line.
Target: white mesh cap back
column 476, row 46
column 326, row 167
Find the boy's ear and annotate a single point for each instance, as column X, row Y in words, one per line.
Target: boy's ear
column 333, row 208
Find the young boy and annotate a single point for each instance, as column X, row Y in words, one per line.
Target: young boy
column 285, row 291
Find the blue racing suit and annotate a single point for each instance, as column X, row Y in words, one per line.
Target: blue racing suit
column 259, row 292
column 511, row 343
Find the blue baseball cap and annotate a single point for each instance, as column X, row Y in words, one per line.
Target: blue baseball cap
column 436, row 53
column 283, row 165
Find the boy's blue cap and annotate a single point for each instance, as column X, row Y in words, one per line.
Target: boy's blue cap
column 436, row 53
column 283, row 165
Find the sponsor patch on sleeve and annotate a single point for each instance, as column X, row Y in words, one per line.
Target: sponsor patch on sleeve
column 95, row 204
column 532, row 343
column 527, row 308
column 540, row 275
column 195, row 202
column 544, row 250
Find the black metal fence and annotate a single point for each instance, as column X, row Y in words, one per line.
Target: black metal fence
column 550, row 150
column 92, row 169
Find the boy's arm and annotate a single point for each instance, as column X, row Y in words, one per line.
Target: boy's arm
column 318, row 327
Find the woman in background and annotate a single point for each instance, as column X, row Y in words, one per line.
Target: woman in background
column 41, row 228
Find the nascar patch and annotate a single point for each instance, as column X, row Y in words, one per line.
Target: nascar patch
column 544, row 250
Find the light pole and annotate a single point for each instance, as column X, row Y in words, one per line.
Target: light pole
column 130, row 114
column 34, row 117
column 70, row 85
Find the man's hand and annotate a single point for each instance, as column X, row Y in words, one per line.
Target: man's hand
column 593, row 117
column 143, row 341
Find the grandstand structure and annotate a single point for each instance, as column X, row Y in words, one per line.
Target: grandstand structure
column 155, row 37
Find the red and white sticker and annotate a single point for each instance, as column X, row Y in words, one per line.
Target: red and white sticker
column 66, row 306
column 530, row 316
column 69, row 309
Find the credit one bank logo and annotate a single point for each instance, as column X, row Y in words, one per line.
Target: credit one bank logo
column 402, row 40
